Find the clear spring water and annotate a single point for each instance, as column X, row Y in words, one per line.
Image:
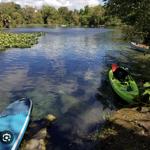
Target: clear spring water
column 63, row 75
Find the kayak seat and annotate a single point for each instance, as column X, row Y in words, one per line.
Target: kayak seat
column 120, row 74
column 129, row 88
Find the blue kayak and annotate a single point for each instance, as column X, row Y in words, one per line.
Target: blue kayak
column 13, row 123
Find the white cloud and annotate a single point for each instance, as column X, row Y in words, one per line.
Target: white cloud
column 56, row 3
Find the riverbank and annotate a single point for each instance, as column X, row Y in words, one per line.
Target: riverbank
column 127, row 128
column 21, row 40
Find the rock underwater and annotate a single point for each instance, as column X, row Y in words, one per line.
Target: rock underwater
column 36, row 136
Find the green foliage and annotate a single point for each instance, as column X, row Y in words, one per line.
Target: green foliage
column 133, row 34
column 113, row 21
column 6, row 11
column 31, row 15
column 75, row 18
column 23, row 40
column 48, row 12
column 16, row 19
column 92, row 16
column 13, row 15
column 84, row 20
column 9, row 8
column 135, row 13
column 147, row 85
column 147, row 90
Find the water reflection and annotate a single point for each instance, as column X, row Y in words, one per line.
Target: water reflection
column 62, row 75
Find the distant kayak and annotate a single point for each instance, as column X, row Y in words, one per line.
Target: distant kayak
column 139, row 47
column 123, row 84
column 13, row 123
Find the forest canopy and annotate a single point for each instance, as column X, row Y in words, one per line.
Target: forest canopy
column 13, row 15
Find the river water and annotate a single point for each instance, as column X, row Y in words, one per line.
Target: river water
column 63, row 75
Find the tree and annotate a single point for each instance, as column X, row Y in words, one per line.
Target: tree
column 6, row 20
column 47, row 11
column 53, row 17
column 92, row 16
column 64, row 15
column 37, row 17
column 28, row 14
column 97, row 16
column 85, row 16
column 135, row 13
column 9, row 8
column 12, row 14
column 6, row 11
column 16, row 18
column 76, row 18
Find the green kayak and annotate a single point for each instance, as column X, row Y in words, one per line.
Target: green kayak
column 126, row 89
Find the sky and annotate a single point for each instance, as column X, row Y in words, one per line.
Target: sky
column 72, row 4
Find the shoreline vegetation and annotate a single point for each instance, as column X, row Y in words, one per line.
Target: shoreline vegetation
column 57, row 26
column 13, row 15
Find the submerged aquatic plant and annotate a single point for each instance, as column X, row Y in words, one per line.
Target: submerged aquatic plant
column 18, row 40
